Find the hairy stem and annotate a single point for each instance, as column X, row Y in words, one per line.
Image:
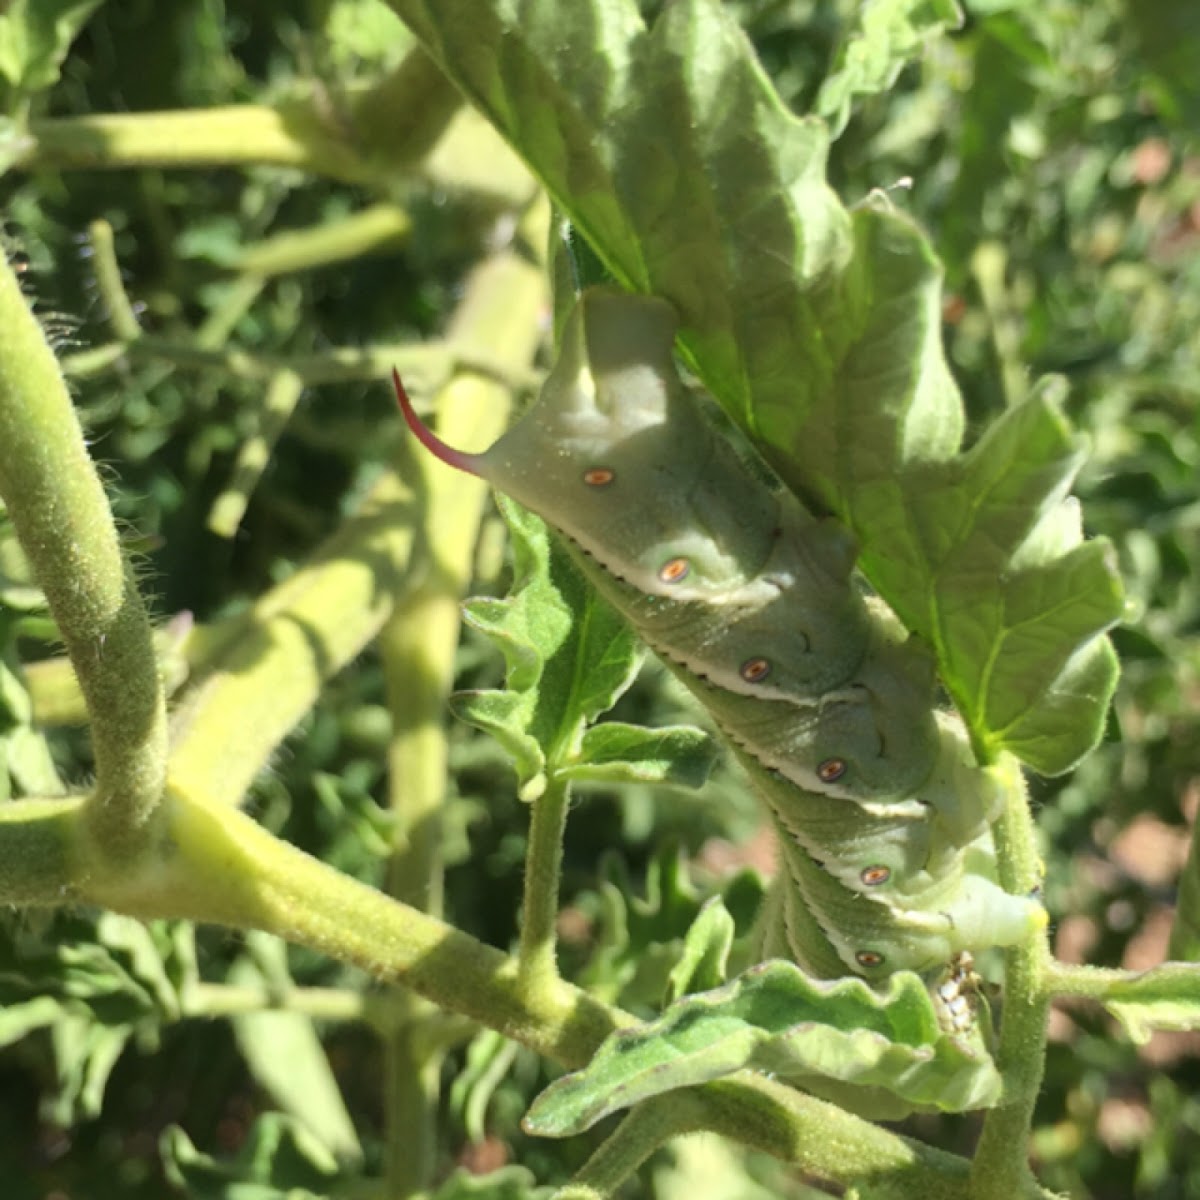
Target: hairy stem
column 369, row 135
column 1179, row 981
column 223, row 868
column 543, row 868
column 303, row 631
column 1001, row 1167
column 419, row 645
column 60, row 513
column 295, row 638
column 432, row 361
column 376, row 228
column 294, row 133
column 644, row 1130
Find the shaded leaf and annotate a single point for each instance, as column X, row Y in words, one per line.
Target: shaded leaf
column 639, row 935
column 705, row 957
column 489, row 1057
column 35, row 36
column 1018, row 598
column 1169, row 34
column 280, row 1160
column 1167, row 997
column 569, row 656
column 107, row 982
column 818, row 329
column 889, row 34
column 85, row 1053
column 16, row 1020
column 774, row 1018
column 617, row 753
column 284, row 1053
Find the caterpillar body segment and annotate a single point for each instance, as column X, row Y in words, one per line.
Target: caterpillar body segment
column 657, row 513
column 893, row 890
column 883, row 815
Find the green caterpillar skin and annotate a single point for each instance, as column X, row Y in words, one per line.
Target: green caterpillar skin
column 897, row 891
column 753, row 602
column 722, row 574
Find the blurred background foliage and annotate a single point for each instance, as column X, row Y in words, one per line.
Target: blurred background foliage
column 1051, row 149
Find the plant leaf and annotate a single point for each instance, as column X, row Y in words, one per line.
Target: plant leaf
column 1167, row 997
column 1013, row 597
column 570, row 657
column 705, row 957
column 819, row 330
column 280, row 1160
column 889, row 34
column 775, row 1018
column 284, row 1053
column 35, row 36
column 614, row 752
column 108, row 979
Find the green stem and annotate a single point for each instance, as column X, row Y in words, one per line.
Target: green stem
column 419, row 93
column 1176, row 980
column 1000, row 1169
column 412, row 1085
column 419, row 646
column 237, row 299
column 400, row 126
column 432, row 361
column 179, row 645
column 989, row 264
column 254, row 453
column 296, row 133
column 1185, row 928
column 230, row 871
column 373, row 229
column 60, row 513
column 543, row 868
column 39, row 859
column 223, row 868
column 306, row 629
column 227, row 870
column 121, row 316
column 644, row 1130
column 219, row 1000
column 295, row 638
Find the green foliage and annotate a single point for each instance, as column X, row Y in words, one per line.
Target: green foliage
column 279, row 1159
column 816, row 327
column 1052, row 162
column 96, row 988
column 774, row 1018
column 872, row 57
column 570, row 658
column 34, row 40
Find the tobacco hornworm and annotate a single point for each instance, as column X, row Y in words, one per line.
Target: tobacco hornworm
column 883, row 815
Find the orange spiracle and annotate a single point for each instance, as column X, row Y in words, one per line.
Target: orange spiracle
column 755, row 670
column 674, row 571
column 831, row 769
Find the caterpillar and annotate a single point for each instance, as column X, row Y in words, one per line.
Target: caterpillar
column 883, row 816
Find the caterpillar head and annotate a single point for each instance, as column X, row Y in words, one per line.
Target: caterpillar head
column 616, row 455
column 876, row 935
column 613, row 380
